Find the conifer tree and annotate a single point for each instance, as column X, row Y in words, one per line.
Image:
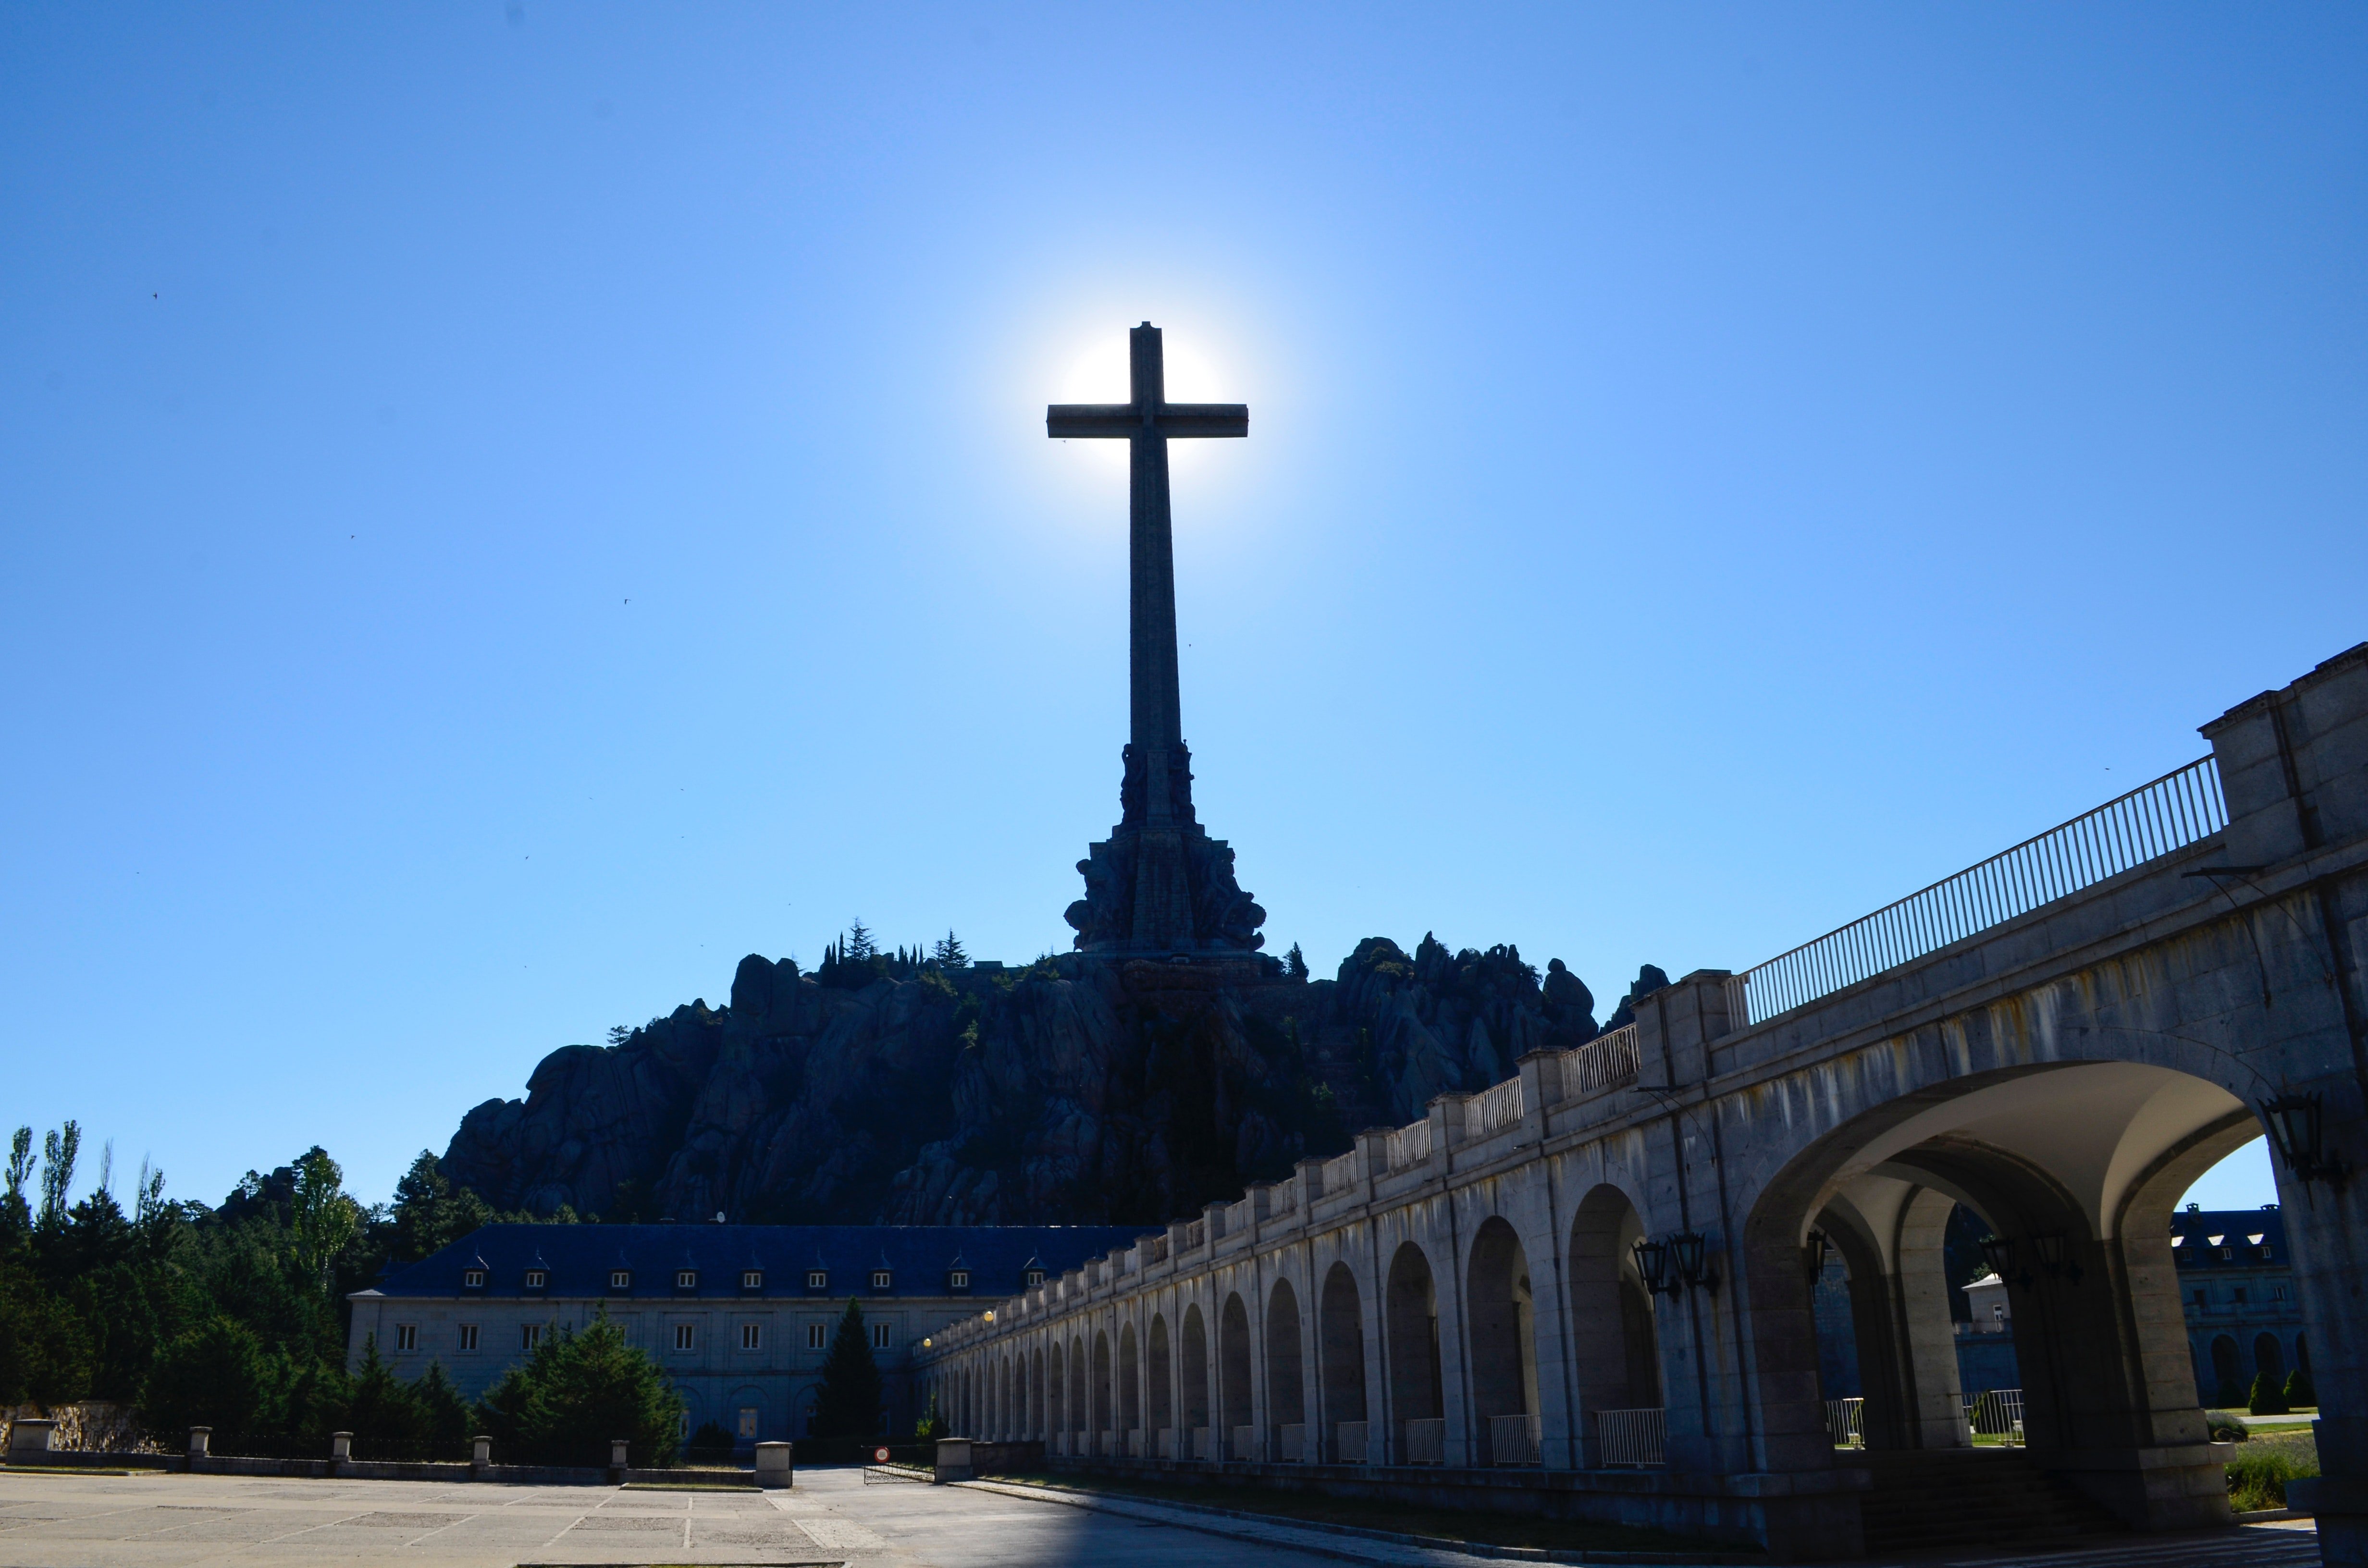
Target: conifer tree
column 848, row 1403
column 948, row 951
column 1294, row 963
column 858, row 947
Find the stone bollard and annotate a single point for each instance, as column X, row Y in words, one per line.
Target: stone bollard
column 776, row 1464
column 481, row 1452
column 616, row 1446
column 199, row 1438
column 953, row 1458
column 341, row 1446
column 30, row 1440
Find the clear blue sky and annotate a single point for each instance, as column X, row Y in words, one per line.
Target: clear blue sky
column 504, row 511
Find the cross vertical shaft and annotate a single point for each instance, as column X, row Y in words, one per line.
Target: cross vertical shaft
column 1156, row 707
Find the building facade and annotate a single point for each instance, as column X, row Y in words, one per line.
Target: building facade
column 2236, row 1281
column 740, row 1316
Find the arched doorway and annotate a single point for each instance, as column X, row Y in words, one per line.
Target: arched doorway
column 1080, row 1398
column 1503, row 1336
column 1286, row 1396
column 1102, row 1423
column 1130, row 1394
column 1233, row 1379
column 2227, row 1375
column 1615, row 1349
column 1340, row 1347
column 1163, row 1402
column 1056, row 1394
column 1192, row 1442
column 2270, row 1359
column 1418, row 1400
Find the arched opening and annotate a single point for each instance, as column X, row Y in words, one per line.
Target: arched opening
column 1233, row 1379
column 1893, row 1313
column 1130, row 1393
column 2268, row 1359
column 1615, row 1350
column 1341, row 1346
column 1056, row 1395
column 1286, row 1396
column 1036, row 1405
column 1195, row 1440
column 1102, row 1428
column 1503, row 1348
column 1163, row 1402
column 1080, row 1398
column 2073, row 1168
column 1417, row 1399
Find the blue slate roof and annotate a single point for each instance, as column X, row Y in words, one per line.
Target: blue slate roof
column 2193, row 1229
column 580, row 1259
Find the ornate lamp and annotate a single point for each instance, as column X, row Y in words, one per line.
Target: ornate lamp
column 1813, row 1255
column 2295, row 1128
column 1653, row 1263
column 1999, row 1253
column 2053, row 1259
column 1686, row 1252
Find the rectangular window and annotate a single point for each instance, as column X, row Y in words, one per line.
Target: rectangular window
column 682, row 1336
column 686, row 1280
column 2241, row 1295
column 2202, row 1299
column 406, row 1336
column 880, row 1336
column 752, row 1336
column 748, row 1421
column 814, row 1337
column 621, row 1279
column 536, row 1278
column 880, row 1280
column 529, row 1335
column 468, row 1336
column 752, row 1280
column 818, row 1278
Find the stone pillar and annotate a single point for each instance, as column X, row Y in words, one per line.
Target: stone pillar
column 341, row 1446
column 776, row 1465
column 617, row 1450
column 953, row 1458
column 480, row 1452
column 201, row 1439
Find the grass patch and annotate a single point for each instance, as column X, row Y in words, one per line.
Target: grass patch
column 1408, row 1519
column 2257, row 1476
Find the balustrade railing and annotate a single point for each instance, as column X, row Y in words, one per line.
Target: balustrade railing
column 1846, row 1422
column 2180, row 808
column 1631, row 1436
column 1196, row 1234
column 1515, row 1439
column 1340, row 1173
column 1494, row 1109
column 1426, row 1441
column 1410, row 1145
column 1348, row 1442
column 1606, row 1062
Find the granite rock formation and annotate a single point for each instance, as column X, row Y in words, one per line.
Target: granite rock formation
column 1078, row 1090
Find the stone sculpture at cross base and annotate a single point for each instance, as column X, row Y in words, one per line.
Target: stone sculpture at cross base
column 1159, row 886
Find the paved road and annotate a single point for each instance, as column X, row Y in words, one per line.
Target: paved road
column 170, row 1521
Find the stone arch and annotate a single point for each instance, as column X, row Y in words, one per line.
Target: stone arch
column 1080, row 1395
column 1130, row 1389
column 2270, row 1358
column 1057, row 1393
column 2225, row 1371
column 2076, row 1165
column 1341, row 1359
column 1416, row 1388
column 1194, row 1379
column 1286, row 1387
column 1162, row 1414
column 1501, row 1328
column 1891, row 1238
column 1234, row 1369
column 1615, row 1346
column 1101, row 1390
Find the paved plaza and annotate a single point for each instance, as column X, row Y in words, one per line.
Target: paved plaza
column 832, row 1517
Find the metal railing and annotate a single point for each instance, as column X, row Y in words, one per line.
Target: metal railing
column 2180, row 808
column 1426, row 1440
column 1410, row 1144
column 1494, row 1109
column 1846, row 1421
column 1995, row 1413
column 1515, row 1439
column 1340, row 1173
column 1241, row 1444
column 1632, row 1437
column 1348, row 1442
column 1603, row 1062
column 1196, row 1235
column 1291, row 1443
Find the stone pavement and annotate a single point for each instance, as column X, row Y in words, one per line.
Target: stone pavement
column 832, row 1516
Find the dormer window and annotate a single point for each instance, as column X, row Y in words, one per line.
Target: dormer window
column 959, row 1278
column 536, row 1279
column 621, row 1279
column 1035, row 1276
column 880, row 1279
column 752, row 1280
column 685, row 1278
column 473, row 1279
column 817, row 1280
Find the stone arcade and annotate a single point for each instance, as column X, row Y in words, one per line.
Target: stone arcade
column 2061, row 1038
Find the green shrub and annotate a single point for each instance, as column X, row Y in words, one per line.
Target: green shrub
column 2268, row 1398
column 2230, row 1396
column 2300, row 1395
column 215, row 1375
column 710, row 1445
column 2257, row 1477
column 575, row 1393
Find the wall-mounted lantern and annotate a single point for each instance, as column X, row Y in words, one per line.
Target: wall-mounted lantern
column 1812, row 1257
column 1653, row 1263
column 1674, row 1264
column 2295, row 1127
column 1999, row 1253
column 1686, row 1250
column 2054, row 1258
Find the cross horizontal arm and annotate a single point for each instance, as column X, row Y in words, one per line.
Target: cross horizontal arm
column 1064, row 420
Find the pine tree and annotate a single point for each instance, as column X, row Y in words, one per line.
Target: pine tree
column 1294, row 963
column 858, row 947
column 848, row 1403
column 948, row 951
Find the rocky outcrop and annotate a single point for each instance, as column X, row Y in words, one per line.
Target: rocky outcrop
column 1079, row 1090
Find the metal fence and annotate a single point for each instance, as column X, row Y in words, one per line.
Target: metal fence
column 1409, row 1145
column 1348, row 1442
column 1426, row 1440
column 1494, row 1109
column 1631, row 1436
column 1995, row 1413
column 1846, row 1420
column 1603, row 1062
column 1515, row 1439
column 2179, row 809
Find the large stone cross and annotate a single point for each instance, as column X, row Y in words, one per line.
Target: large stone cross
column 1147, row 423
column 1160, row 885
